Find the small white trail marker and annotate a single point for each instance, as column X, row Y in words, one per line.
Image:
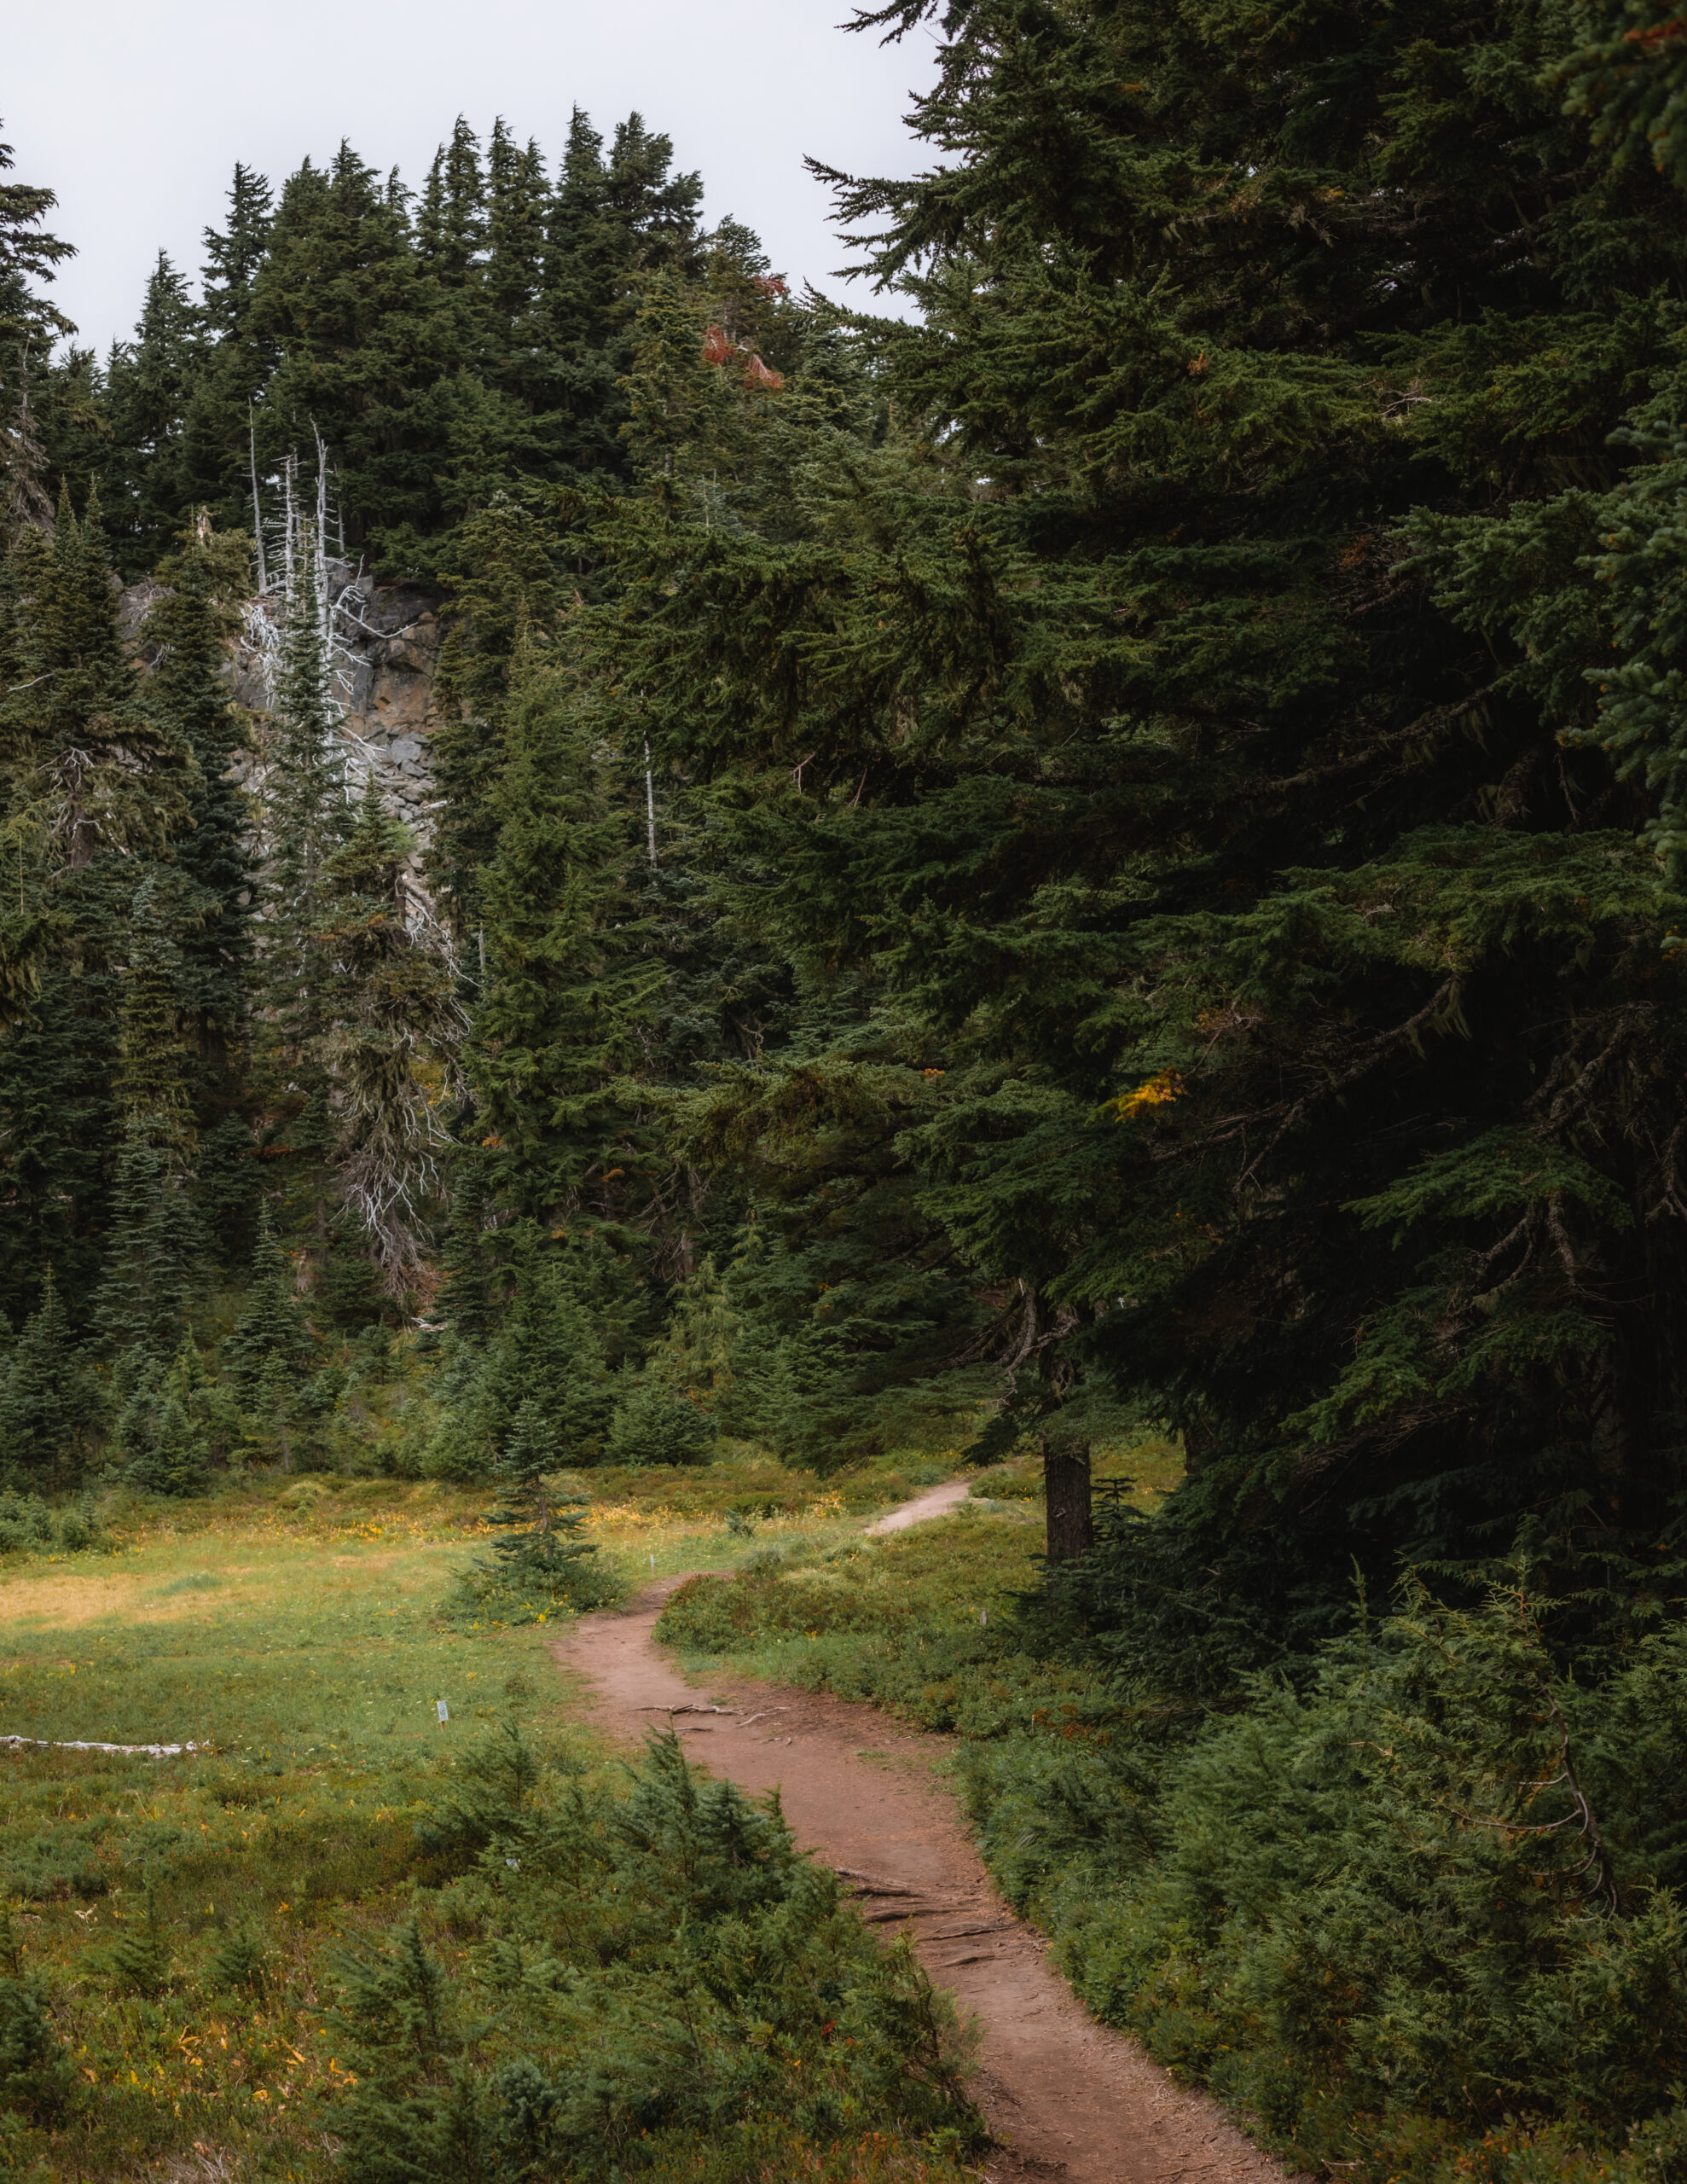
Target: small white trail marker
column 983, row 1616
column 441, row 1709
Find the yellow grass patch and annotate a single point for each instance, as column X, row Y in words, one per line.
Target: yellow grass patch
column 78, row 1596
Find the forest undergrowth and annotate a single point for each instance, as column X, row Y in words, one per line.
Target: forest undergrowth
column 1412, row 1912
column 344, row 1935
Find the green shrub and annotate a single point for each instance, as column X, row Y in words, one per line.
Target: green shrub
column 1427, row 1899
column 240, row 1963
column 26, row 1523
column 662, row 1986
column 138, row 1962
column 79, row 1528
column 37, row 2074
column 173, row 1459
column 651, row 1426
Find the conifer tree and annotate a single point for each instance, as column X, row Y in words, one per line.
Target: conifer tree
column 465, row 1252
column 155, row 1254
column 166, row 1426
column 344, row 300
column 46, row 1406
column 235, row 255
column 474, row 347
column 694, row 1357
column 27, row 254
column 96, row 784
column 567, row 986
column 451, row 211
column 270, row 1344
column 686, row 424
column 27, row 504
column 503, row 601
column 148, row 383
column 228, row 1190
column 517, row 200
column 539, row 1554
column 1096, row 726
column 186, row 630
column 220, row 451
column 653, row 1425
column 546, row 1352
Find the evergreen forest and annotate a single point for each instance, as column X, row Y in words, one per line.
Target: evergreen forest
column 1104, row 857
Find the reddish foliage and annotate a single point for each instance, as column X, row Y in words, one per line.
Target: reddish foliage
column 719, row 348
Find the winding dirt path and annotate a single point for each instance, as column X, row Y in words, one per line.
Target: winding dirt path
column 1065, row 2096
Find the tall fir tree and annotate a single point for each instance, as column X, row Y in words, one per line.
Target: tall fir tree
column 540, row 1562
column 219, row 426
column 568, row 983
column 451, row 211
column 148, row 489
column 155, row 1251
column 504, row 602
column 187, row 632
column 96, row 784
column 29, row 326
column 47, row 1406
column 1103, row 723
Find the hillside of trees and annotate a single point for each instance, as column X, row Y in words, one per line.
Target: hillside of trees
column 1113, row 849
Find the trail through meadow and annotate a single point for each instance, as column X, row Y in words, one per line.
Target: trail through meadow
column 1065, row 2096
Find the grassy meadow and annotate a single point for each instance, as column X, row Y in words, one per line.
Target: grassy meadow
column 176, row 1929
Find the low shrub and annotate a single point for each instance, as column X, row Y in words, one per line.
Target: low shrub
column 1415, row 1913
column 1426, row 1905
column 26, row 1523
column 651, row 1985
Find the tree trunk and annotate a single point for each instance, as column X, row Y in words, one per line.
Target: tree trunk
column 1199, row 1442
column 1071, row 1526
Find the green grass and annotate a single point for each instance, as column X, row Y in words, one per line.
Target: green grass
column 292, row 1631
column 308, row 1667
column 921, row 1622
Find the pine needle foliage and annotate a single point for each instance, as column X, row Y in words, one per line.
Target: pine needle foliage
column 655, row 1974
column 1290, row 966
column 539, row 1564
column 1429, row 1899
column 47, row 1404
column 571, row 980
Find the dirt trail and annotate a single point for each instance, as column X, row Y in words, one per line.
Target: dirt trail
column 1065, row 2097
column 936, row 1501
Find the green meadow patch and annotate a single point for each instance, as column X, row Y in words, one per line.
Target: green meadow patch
column 199, row 1953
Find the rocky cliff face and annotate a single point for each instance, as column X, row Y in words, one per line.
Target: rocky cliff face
column 387, row 662
column 388, row 638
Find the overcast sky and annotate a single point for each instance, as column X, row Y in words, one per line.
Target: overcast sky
column 135, row 115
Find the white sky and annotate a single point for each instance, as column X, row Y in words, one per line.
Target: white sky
column 135, row 114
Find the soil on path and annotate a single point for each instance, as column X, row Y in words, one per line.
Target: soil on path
column 1064, row 2097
